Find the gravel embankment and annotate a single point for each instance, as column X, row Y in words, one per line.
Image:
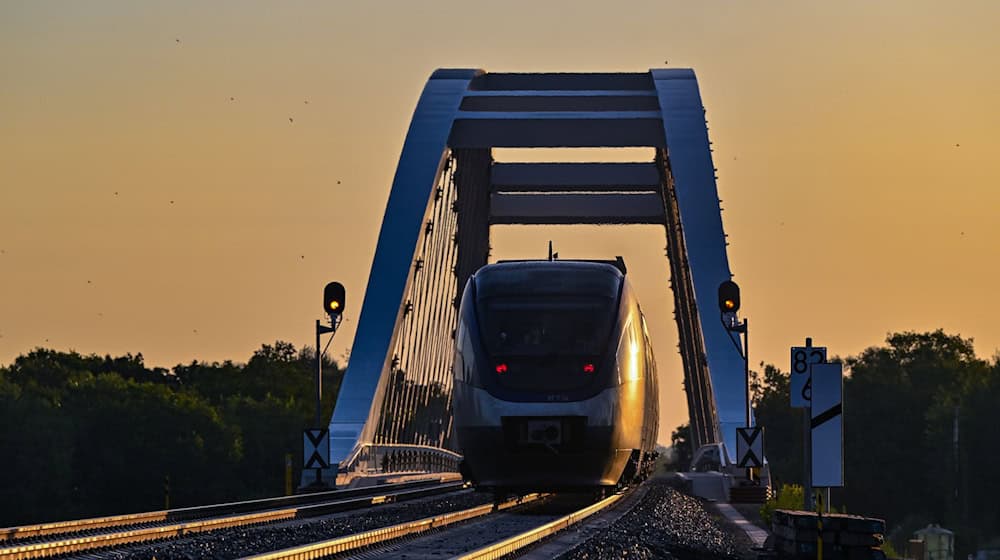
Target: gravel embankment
column 244, row 541
column 665, row 524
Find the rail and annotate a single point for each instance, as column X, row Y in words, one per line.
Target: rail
column 497, row 550
column 376, row 496
column 376, row 536
column 517, row 542
column 177, row 514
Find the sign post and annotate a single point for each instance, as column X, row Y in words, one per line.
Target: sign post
column 334, row 302
column 802, row 357
column 729, row 304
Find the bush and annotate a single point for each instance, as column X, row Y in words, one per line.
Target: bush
column 791, row 496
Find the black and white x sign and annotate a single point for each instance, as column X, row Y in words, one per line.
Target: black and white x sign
column 750, row 447
column 316, row 447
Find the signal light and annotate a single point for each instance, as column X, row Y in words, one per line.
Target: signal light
column 588, row 368
column 501, row 368
column 729, row 297
column 334, row 298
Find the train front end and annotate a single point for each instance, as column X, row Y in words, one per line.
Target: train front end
column 545, row 395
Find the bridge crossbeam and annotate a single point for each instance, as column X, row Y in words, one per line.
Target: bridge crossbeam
column 575, row 177
column 577, row 208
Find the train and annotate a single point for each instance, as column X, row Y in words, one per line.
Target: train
column 555, row 385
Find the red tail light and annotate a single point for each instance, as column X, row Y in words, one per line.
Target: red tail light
column 588, row 368
column 501, row 368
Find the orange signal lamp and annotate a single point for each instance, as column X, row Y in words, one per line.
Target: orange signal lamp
column 729, row 297
column 334, row 298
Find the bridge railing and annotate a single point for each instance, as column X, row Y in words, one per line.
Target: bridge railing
column 371, row 458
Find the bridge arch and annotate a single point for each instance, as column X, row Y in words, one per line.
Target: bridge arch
column 448, row 191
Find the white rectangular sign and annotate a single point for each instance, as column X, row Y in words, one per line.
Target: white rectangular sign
column 316, row 449
column 827, row 415
column 802, row 358
column 750, row 447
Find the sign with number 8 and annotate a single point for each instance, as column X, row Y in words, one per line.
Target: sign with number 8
column 802, row 358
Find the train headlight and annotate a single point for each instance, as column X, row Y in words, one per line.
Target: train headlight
column 588, row 368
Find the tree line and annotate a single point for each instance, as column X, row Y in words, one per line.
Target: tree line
column 921, row 436
column 89, row 435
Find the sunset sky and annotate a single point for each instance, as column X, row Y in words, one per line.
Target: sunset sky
column 181, row 179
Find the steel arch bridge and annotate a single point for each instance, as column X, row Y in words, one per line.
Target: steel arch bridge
column 395, row 399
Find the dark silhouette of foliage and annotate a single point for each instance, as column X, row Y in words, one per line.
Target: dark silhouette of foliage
column 91, row 435
column 782, row 425
column 682, row 453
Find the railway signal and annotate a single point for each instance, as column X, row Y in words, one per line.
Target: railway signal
column 334, row 299
column 729, row 304
column 334, row 303
column 729, row 297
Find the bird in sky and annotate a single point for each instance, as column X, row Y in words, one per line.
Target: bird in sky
column 306, row 101
column 291, row 120
column 232, row 99
column 338, row 182
column 177, row 40
column 116, row 193
column 171, row 202
column 956, row 145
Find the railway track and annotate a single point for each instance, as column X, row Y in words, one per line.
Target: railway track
column 50, row 539
column 479, row 533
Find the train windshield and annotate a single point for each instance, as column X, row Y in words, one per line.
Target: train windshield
column 548, row 326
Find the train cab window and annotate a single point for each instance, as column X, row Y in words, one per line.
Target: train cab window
column 546, row 326
column 547, row 344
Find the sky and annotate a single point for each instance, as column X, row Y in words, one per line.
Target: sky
column 181, row 179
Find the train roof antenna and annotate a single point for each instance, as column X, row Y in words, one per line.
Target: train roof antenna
column 552, row 256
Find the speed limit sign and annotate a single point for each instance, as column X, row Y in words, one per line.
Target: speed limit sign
column 801, row 386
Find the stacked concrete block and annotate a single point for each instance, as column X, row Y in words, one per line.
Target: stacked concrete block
column 845, row 537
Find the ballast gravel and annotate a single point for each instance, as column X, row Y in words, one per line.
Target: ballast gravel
column 665, row 524
column 244, row 541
